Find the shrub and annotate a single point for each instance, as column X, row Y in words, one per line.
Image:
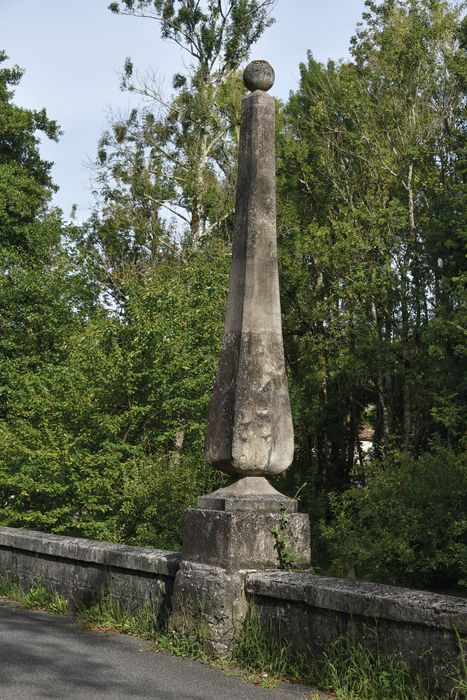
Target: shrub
column 406, row 525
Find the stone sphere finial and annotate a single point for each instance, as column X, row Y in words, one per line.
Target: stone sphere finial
column 259, row 75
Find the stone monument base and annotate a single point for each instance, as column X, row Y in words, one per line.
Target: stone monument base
column 250, row 493
column 221, row 543
column 243, row 539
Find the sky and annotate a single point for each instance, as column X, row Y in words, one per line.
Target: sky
column 72, row 53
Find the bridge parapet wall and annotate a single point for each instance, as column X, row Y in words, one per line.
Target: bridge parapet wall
column 309, row 613
column 305, row 611
column 81, row 569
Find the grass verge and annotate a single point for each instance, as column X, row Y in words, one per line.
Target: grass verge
column 347, row 672
column 36, row 596
column 350, row 672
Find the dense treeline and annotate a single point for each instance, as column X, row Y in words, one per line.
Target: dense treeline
column 110, row 331
column 372, row 200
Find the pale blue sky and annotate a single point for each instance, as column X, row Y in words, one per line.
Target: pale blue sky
column 72, row 52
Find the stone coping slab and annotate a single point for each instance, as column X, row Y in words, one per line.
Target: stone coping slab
column 371, row 600
column 154, row 561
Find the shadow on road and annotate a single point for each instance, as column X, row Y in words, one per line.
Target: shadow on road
column 49, row 656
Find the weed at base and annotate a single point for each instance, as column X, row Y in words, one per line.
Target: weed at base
column 355, row 674
column 460, row 689
column 261, row 654
column 182, row 645
column 348, row 671
column 36, row 597
column 108, row 614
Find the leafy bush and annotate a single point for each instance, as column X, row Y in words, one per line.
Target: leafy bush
column 107, row 440
column 406, row 525
column 155, row 496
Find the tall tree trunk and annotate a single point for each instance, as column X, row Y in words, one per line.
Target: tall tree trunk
column 199, row 186
column 322, row 440
column 382, row 427
column 410, row 254
column 406, row 403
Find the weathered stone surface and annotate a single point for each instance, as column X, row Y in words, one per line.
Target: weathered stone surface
column 211, row 601
column 154, row 561
column 241, row 540
column 250, row 429
column 81, row 569
column 362, row 598
column 309, row 613
column 252, row 493
column 259, row 75
column 250, row 432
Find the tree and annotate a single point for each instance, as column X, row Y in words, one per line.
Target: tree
column 28, row 238
column 406, row 525
column 122, row 413
column 165, row 174
column 44, row 298
column 101, row 416
column 189, row 140
column 406, row 52
column 37, row 280
column 370, row 200
column 108, row 442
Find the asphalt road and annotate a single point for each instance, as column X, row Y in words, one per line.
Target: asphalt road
column 49, row 656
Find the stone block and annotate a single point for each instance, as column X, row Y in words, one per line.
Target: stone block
column 238, row 540
column 309, row 613
column 209, row 604
column 82, row 569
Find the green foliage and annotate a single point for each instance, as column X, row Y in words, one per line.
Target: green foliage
column 460, row 687
column 210, row 31
column 406, row 524
column 349, row 670
column 354, row 673
column 260, row 652
column 288, row 559
column 110, row 332
column 371, row 223
column 187, row 645
column 38, row 282
column 36, row 596
column 155, row 497
column 109, row 443
column 44, row 298
column 109, row 614
column 177, row 155
column 284, row 551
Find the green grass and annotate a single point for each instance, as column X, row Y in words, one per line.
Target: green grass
column 461, row 682
column 110, row 614
column 260, row 653
column 36, row 596
column 106, row 614
column 355, row 674
column 350, row 672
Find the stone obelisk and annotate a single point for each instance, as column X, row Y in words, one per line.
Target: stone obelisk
column 250, row 429
column 249, row 434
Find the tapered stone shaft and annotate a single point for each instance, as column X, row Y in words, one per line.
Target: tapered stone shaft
column 250, row 430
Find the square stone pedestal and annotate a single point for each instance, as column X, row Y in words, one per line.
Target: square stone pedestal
column 220, row 546
column 242, row 539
